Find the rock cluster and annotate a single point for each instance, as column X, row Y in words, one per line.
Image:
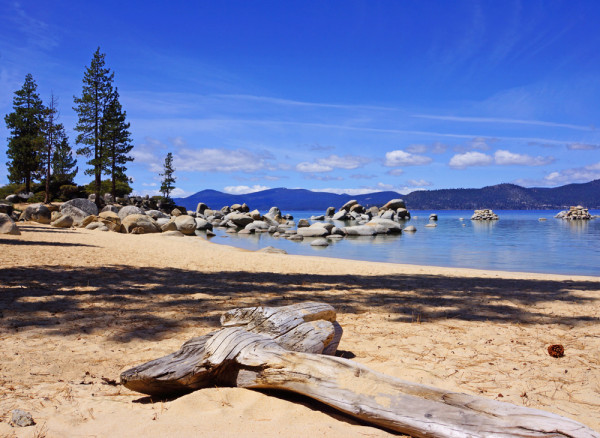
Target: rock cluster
column 575, row 214
column 484, row 215
column 135, row 218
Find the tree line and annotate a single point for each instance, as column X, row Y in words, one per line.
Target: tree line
column 38, row 147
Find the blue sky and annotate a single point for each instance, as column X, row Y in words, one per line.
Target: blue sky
column 341, row 96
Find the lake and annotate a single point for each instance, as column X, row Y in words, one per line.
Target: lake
column 519, row 241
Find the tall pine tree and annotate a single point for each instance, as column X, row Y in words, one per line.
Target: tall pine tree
column 168, row 182
column 26, row 126
column 117, row 139
column 96, row 96
column 54, row 134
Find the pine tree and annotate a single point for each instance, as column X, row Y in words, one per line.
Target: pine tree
column 117, row 139
column 54, row 134
column 96, row 95
column 26, row 124
column 63, row 163
column 168, row 182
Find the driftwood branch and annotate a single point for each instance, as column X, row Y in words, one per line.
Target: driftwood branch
column 242, row 355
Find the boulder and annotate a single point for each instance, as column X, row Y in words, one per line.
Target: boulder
column 96, row 225
column 319, row 242
column 348, row 205
column 430, row 225
column 313, row 231
column 201, row 208
column 303, row 223
column 239, row 219
column 38, row 213
column 110, row 215
column 236, row 207
column 146, row 223
column 359, row 230
column 55, row 215
column 202, row 224
column 75, row 213
column 373, row 211
column 245, row 231
column 257, row 226
column 484, row 215
column 6, row 208
column 340, row 216
column 318, row 218
column 387, row 215
column 21, row 418
column 410, row 229
column 14, row 199
column 394, row 204
column 433, row 217
column 163, row 220
column 129, row 210
column 402, row 214
column 176, row 212
column 330, row 211
column 63, row 221
column 157, row 214
column 186, row 224
column 168, row 226
column 272, row 250
column 327, row 225
column 111, row 207
column 255, row 214
column 83, row 204
column 575, row 213
column 357, row 208
column 295, row 238
column 391, row 226
column 7, row 225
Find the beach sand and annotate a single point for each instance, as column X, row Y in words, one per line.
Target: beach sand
column 77, row 307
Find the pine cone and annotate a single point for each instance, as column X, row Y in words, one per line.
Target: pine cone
column 556, row 350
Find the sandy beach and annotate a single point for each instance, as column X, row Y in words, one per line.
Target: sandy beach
column 77, row 307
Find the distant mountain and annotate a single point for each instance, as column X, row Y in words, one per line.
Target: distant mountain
column 500, row 197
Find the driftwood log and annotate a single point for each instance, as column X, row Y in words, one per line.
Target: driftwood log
column 290, row 348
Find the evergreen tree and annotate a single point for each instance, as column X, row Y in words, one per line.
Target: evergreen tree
column 117, row 139
column 26, row 125
column 168, row 182
column 63, row 163
column 54, row 134
column 96, row 95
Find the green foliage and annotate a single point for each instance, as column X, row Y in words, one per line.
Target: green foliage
column 117, row 139
column 122, row 187
column 63, row 163
column 11, row 189
column 168, row 182
column 96, row 95
column 26, row 126
column 69, row 191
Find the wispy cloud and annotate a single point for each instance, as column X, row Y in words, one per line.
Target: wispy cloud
column 504, row 121
column 418, row 183
column 507, row 158
column 38, row 33
column 331, row 162
column 582, row 147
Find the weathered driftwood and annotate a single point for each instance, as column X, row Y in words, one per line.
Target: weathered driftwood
column 308, row 327
column 236, row 356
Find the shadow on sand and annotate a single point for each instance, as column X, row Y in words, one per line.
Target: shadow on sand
column 149, row 303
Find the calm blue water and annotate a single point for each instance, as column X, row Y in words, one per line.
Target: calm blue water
column 516, row 242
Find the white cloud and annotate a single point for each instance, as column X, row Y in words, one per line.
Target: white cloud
column 345, row 191
column 507, row 158
column 178, row 141
column 418, row 183
column 323, row 177
column 468, row 159
column 478, row 143
column 403, row 158
column 574, row 175
column 417, row 149
column 504, row 121
column 241, row 190
column 312, row 167
column 395, row 172
column 331, row 162
column 220, row 160
column 583, row 147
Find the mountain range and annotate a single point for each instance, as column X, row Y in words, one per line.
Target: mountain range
column 500, row 197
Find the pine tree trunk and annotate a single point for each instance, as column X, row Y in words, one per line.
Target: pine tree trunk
column 114, row 182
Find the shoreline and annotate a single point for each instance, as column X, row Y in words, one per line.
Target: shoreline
column 81, row 305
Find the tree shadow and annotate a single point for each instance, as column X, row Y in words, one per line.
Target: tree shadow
column 126, row 303
column 40, row 243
